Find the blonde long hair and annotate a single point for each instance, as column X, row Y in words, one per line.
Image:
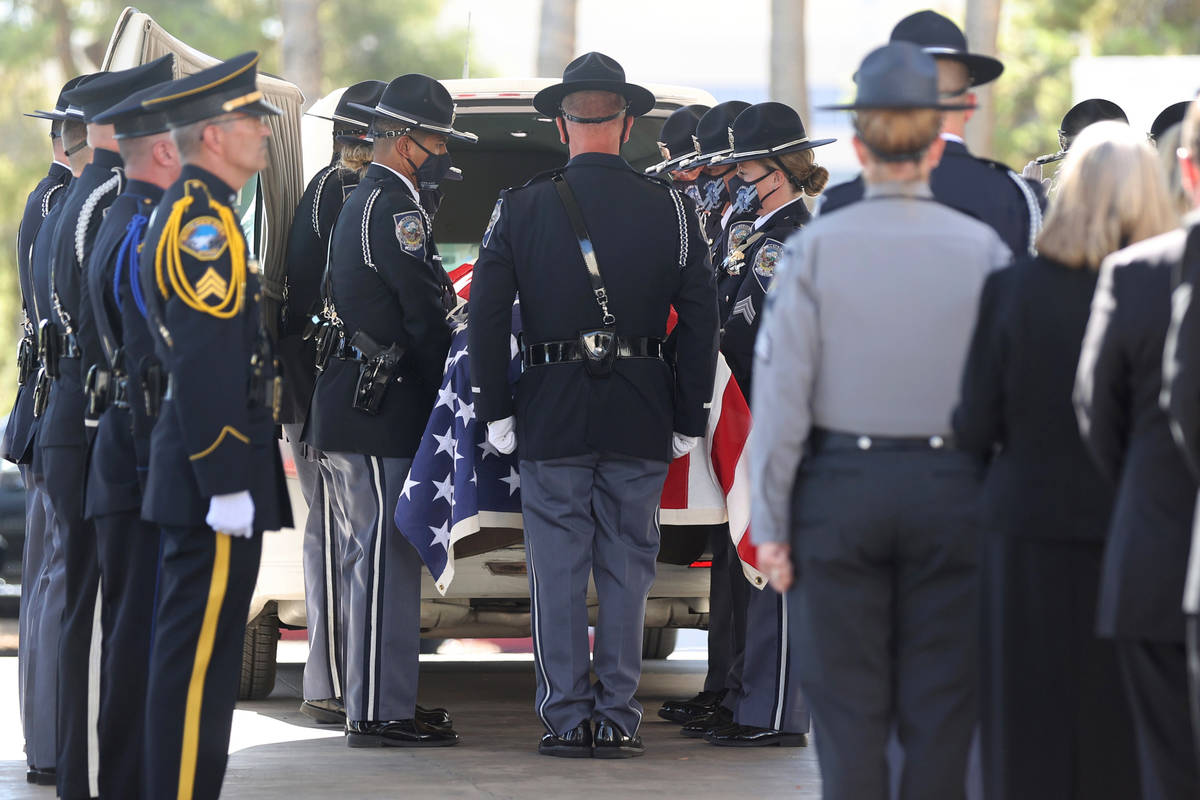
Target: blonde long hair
column 1111, row 193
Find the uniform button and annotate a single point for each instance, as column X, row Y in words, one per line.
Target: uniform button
column 937, row 442
column 864, row 443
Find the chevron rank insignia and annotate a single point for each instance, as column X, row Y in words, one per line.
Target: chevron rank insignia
column 491, row 226
column 211, row 284
column 410, row 232
column 738, row 233
column 744, row 308
column 203, row 238
column 767, row 257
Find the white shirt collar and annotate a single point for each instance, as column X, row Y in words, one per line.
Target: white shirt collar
column 758, row 223
column 411, row 189
column 61, row 164
column 953, row 137
column 725, row 217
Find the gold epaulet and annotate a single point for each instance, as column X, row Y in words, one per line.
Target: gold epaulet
column 204, row 238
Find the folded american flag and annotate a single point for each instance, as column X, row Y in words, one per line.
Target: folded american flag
column 459, row 484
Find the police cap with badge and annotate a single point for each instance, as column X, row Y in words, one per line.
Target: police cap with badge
column 226, row 88
column 941, row 38
column 62, row 109
column 106, row 89
column 676, row 140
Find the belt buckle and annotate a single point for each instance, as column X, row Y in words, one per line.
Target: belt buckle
column 599, row 348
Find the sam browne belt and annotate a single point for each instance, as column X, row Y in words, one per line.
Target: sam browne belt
column 571, row 350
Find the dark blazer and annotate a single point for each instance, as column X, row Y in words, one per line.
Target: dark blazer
column 1015, row 409
column 987, row 190
column 307, row 247
column 1117, row 400
column 1181, row 359
column 387, row 280
column 652, row 256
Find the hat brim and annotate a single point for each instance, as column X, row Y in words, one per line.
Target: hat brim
column 260, row 108
column 898, row 107
column 50, row 115
column 383, row 112
column 757, row 155
column 549, row 100
column 983, row 69
column 676, row 163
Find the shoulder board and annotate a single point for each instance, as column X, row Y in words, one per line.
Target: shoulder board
column 541, row 176
column 665, row 182
column 113, row 184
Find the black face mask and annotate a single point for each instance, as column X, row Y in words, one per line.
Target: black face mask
column 744, row 195
column 431, row 200
column 713, row 193
column 433, row 170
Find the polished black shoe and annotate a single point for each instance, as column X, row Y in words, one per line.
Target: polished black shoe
column 686, row 711
column 575, row 743
column 611, row 742
column 439, row 717
column 750, row 736
column 324, row 712
column 398, row 733
column 719, row 718
column 41, row 777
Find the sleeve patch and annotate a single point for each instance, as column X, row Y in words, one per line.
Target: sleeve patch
column 203, row 238
column 410, row 231
column 487, row 234
column 211, row 284
column 767, row 258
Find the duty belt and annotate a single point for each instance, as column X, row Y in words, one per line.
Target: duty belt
column 825, row 441
column 569, row 350
column 68, row 346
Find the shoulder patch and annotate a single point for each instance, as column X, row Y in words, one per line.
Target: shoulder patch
column 738, row 233
column 767, row 257
column 203, row 238
column 487, row 234
column 410, row 231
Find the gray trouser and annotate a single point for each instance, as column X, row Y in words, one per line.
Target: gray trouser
column 769, row 695
column 381, row 592
column 42, row 597
column 884, row 617
column 728, row 597
column 322, row 571
column 584, row 516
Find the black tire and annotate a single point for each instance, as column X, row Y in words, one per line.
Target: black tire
column 658, row 642
column 258, row 655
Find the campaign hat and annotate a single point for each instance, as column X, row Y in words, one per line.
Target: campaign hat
column 594, row 72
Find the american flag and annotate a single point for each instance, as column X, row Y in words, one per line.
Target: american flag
column 459, row 484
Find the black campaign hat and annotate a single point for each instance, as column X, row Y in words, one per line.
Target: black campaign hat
column 364, row 94
column 231, row 86
column 418, row 101
column 106, row 89
column 594, row 72
column 899, row 76
column 675, row 139
column 62, row 109
column 1088, row 112
column 712, row 133
column 130, row 120
column 941, row 38
column 1171, row 115
column 767, row 129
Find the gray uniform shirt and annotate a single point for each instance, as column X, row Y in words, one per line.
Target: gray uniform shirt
column 866, row 332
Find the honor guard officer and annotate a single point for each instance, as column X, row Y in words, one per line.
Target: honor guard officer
column 215, row 481
column 775, row 169
column 729, row 592
column 596, row 403
column 854, row 477
column 676, row 143
column 987, row 190
column 37, row 648
column 62, row 436
column 1081, row 115
column 381, row 354
column 307, row 251
column 127, row 546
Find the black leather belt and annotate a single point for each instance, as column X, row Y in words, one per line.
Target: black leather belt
column 824, row 441
column 564, row 352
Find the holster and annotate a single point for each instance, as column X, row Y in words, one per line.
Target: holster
column 376, row 370
column 327, row 335
column 41, row 392
column 97, row 386
column 50, row 344
column 153, row 386
column 26, row 359
column 265, row 381
column 599, row 347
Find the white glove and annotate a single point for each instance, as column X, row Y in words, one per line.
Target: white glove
column 503, row 434
column 682, row 445
column 232, row 514
column 1032, row 171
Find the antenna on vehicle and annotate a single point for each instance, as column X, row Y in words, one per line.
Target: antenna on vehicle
column 467, row 54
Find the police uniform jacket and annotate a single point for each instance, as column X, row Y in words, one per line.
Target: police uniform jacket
column 113, row 484
column 652, row 257
column 85, row 206
column 214, row 433
column 307, row 248
column 386, row 279
column 744, row 278
column 1117, row 392
column 987, row 190
column 39, row 273
column 46, row 196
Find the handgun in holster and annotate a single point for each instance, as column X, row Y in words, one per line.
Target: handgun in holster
column 375, row 372
column 50, row 346
column 153, row 382
column 96, row 387
column 41, row 392
column 26, row 359
column 327, row 335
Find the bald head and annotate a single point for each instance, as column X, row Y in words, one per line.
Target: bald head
column 595, row 137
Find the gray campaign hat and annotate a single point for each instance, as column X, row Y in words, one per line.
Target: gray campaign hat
column 898, row 76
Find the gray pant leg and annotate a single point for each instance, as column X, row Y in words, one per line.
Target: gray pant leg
column 728, row 596
column 556, row 501
column 383, row 593
column 47, row 589
column 770, row 695
column 31, row 565
column 322, row 671
column 625, row 504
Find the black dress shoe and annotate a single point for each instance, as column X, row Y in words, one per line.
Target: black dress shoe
column 717, row 719
column 324, row 712
column 398, row 733
column 41, row 777
column 752, row 736
column 575, row 743
column 434, row 716
column 692, row 709
column 611, row 742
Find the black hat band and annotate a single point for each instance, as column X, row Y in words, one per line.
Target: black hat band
column 384, row 111
column 591, row 120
